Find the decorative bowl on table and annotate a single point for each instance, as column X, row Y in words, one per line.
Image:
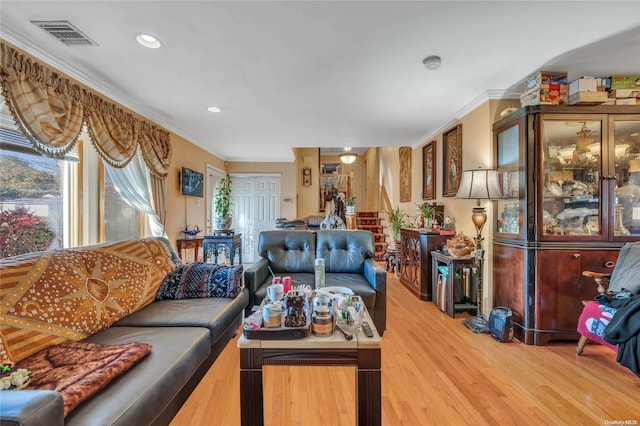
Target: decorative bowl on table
column 191, row 233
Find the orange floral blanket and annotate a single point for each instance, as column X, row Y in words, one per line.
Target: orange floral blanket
column 78, row 370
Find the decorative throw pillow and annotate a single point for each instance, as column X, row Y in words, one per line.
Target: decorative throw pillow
column 198, row 279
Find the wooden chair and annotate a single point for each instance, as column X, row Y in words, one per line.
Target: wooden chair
column 595, row 316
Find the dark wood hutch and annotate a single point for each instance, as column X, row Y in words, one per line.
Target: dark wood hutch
column 571, row 182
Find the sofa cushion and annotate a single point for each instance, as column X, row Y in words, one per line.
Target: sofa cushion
column 79, row 369
column 137, row 397
column 216, row 314
column 357, row 283
column 288, row 251
column 345, row 250
column 198, row 279
column 48, row 298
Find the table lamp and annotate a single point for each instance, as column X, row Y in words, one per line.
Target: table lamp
column 481, row 184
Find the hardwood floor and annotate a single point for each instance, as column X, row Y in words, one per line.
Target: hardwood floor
column 434, row 371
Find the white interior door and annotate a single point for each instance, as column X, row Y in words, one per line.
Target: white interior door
column 256, row 206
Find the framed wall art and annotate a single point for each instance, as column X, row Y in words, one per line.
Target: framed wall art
column 452, row 161
column 405, row 173
column 429, row 171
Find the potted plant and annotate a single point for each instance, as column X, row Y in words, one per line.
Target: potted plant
column 397, row 220
column 351, row 204
column 428, row 213
column 222, row 203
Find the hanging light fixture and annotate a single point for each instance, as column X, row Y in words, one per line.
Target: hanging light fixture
column 348, row 157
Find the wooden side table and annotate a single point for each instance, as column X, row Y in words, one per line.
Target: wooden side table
column 214, row 243
column 194, row 244
column 413, row 252
column 460, row 273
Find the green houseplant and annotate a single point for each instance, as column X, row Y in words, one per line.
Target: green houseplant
column 222, row 203
column 397, row 219
column 429, row 213
column 351, row 204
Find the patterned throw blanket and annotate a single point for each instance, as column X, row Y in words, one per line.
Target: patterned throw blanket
column 78, row 370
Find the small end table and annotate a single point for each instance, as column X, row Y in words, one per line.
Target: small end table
column 194, row 244
column 460, row 272
column 223, row 238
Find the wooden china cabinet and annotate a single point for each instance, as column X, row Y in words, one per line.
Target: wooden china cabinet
column 571, row 182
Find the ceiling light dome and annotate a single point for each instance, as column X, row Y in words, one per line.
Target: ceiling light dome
column 348, row 157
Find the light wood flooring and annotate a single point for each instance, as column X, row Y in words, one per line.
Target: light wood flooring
column 434, row 371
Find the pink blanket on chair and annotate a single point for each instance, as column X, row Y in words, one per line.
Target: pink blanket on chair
column 593, row 320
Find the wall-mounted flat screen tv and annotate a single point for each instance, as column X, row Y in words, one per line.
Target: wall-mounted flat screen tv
column 191, row 183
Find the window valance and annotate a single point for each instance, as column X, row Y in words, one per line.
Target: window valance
column 50, row 110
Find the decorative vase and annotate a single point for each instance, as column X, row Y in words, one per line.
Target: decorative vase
column 351, row 209
column 223, row 223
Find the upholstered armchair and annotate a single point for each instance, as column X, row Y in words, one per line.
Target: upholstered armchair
column 613, row 319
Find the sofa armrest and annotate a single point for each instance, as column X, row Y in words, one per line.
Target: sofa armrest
column 32, row 407
column 254, row 276
column 377, row 277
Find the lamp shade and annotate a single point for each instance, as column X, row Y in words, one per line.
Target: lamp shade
column 479, row 184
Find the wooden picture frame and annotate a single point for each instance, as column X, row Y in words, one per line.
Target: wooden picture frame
column 404, row 154
column 452, row 161
column 429, row 171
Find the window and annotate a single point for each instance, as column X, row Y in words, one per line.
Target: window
column 37, row 209
column 120, row 220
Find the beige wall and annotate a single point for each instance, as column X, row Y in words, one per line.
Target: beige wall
column 288, row 181
column 307, row 196
column 183, row 210
column 372, row 164
column 477, row 151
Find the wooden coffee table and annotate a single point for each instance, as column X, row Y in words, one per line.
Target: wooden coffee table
column 362, row 352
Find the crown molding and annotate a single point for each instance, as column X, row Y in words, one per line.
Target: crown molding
column 475, row 103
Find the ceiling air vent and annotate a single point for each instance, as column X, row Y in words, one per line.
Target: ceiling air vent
column 65, row 32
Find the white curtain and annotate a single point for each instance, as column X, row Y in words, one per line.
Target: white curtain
column 133, row 184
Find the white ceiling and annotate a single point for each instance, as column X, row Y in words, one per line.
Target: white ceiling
column 322, row 74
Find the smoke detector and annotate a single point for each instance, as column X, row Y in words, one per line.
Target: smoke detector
column 65, row 32
column 432, row 62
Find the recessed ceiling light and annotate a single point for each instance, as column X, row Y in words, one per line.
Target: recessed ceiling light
column 432, row 62
column 213, row 109
column 149, row 41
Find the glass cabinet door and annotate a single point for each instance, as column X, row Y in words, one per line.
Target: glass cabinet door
column 571, row 165
column 626, row 166
column 509, row 217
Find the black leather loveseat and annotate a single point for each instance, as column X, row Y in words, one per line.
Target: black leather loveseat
column 348, row 256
